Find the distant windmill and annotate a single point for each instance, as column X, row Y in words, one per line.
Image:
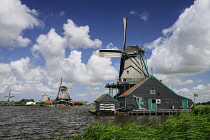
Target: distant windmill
column 132, row 65
column 63, row 94
column 9, row 97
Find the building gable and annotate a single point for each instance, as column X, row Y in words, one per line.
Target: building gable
column 151, row 93
column 141, row 84
column 105, row 97
column 134, row 87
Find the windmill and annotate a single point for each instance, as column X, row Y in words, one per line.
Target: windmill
column 63, row 95
column 132, row 65
column 9, row 97
column 44, row 98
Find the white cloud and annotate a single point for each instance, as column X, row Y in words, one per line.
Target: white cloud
column 89, row 93
column 184, row 50
column 53, row 46
column 14, row 18
column 132, row 12
column 91, row 88
column 62, row 13
column 111, row 46
column 22, row 77
column 78, row 37
column 101, row 68
column 5, row 69
column 143, row 16
column 203, row 92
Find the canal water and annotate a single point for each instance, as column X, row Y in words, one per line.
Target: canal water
column 34, row 122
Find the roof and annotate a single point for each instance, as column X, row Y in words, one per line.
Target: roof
column 133, row 49
column 102, row 96
column 78, row 102
column 49, row 101
column 144, row 80
column 63, row 87
column 133, row 87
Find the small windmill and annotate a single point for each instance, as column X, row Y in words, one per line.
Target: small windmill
column 132, row 65
column 63, row 94
column 9, row 97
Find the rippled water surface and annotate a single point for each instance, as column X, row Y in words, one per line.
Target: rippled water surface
column 33, row 122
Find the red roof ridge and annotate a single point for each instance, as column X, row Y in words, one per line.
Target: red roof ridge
column 77, row 101
column 133, row 87
column 100, row 97
column 49, row 101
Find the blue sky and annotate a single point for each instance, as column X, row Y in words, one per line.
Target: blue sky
column 44, row 40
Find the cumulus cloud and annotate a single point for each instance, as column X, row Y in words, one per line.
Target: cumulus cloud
column 203, row 92
column 111, row 46
column 184, row 49
column 53, row 48
column 78, row 37
column 22, row 77
column 90, row 93
column 14, row 18
column 101, row 68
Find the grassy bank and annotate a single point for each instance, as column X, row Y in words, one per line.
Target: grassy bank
column 185, row 126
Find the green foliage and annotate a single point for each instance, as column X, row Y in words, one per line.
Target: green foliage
column 194, row 125
column 201, row 109
column 111, row 131
column 185, row 126
column 24, row 101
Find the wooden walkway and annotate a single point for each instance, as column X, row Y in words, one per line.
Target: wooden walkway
column 153, row 112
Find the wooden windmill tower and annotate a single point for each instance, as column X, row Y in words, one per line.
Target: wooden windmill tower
column 63, row 95
column 9, row 97
column 132, row 65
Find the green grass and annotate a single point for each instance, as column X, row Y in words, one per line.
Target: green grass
column 184, row 126
column 201, row 109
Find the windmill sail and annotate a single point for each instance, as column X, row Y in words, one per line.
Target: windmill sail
column 110, row 53
column 59, row 89
column 122, row 60
column 125, row 19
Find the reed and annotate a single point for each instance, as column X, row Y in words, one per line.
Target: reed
column 184, row 126
column 201, row 109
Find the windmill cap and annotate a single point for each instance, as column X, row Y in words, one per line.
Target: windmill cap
column 133, row 49
column 63, row 87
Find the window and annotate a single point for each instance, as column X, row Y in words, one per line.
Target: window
column 127, row 72
column 152, row 91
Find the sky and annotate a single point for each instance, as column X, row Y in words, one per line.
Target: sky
column 44, row 40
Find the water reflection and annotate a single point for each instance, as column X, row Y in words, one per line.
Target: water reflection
column 31, row 122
